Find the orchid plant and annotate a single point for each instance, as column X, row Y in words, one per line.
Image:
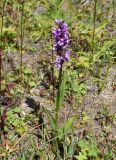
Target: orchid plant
column 62, row 49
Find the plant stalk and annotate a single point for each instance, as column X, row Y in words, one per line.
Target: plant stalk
column 1, row 53
column 53, row 75
column 22, row 36
column 1, row 42
column 94, row 24
column 57, row 112
column 59, row 83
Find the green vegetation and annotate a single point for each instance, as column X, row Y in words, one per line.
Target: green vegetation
column 51, row 114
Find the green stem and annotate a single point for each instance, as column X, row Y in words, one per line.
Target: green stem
column 94, row 24
column 21, row 38
column 1, row 53
column 1, row 42
column 60, row 75
column 59, row 83
column 53, row 75
column 56, row 114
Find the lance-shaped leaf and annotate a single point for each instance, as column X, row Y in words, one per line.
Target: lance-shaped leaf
column 51, row 118
column 108, row 44
column 60, row 95
column 66, row 127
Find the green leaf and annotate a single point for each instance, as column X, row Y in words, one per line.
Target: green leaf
column 51, row 118
column 108, row 44
column 83, row 145
column 27, row 70
column 93, row 151
column 98, row 29
column 20, row 130
column 82, row 155
column 65, row 127
column 17, row 110
column 83, row 61
column 60, row 95
column 32, row 84
column 59, row 3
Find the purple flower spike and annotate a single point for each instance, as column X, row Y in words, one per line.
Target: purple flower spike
column 61, row 42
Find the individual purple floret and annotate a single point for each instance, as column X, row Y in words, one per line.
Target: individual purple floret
column 61, row 42
column 58, row 62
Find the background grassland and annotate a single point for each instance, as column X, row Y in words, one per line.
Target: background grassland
column 36, row 123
